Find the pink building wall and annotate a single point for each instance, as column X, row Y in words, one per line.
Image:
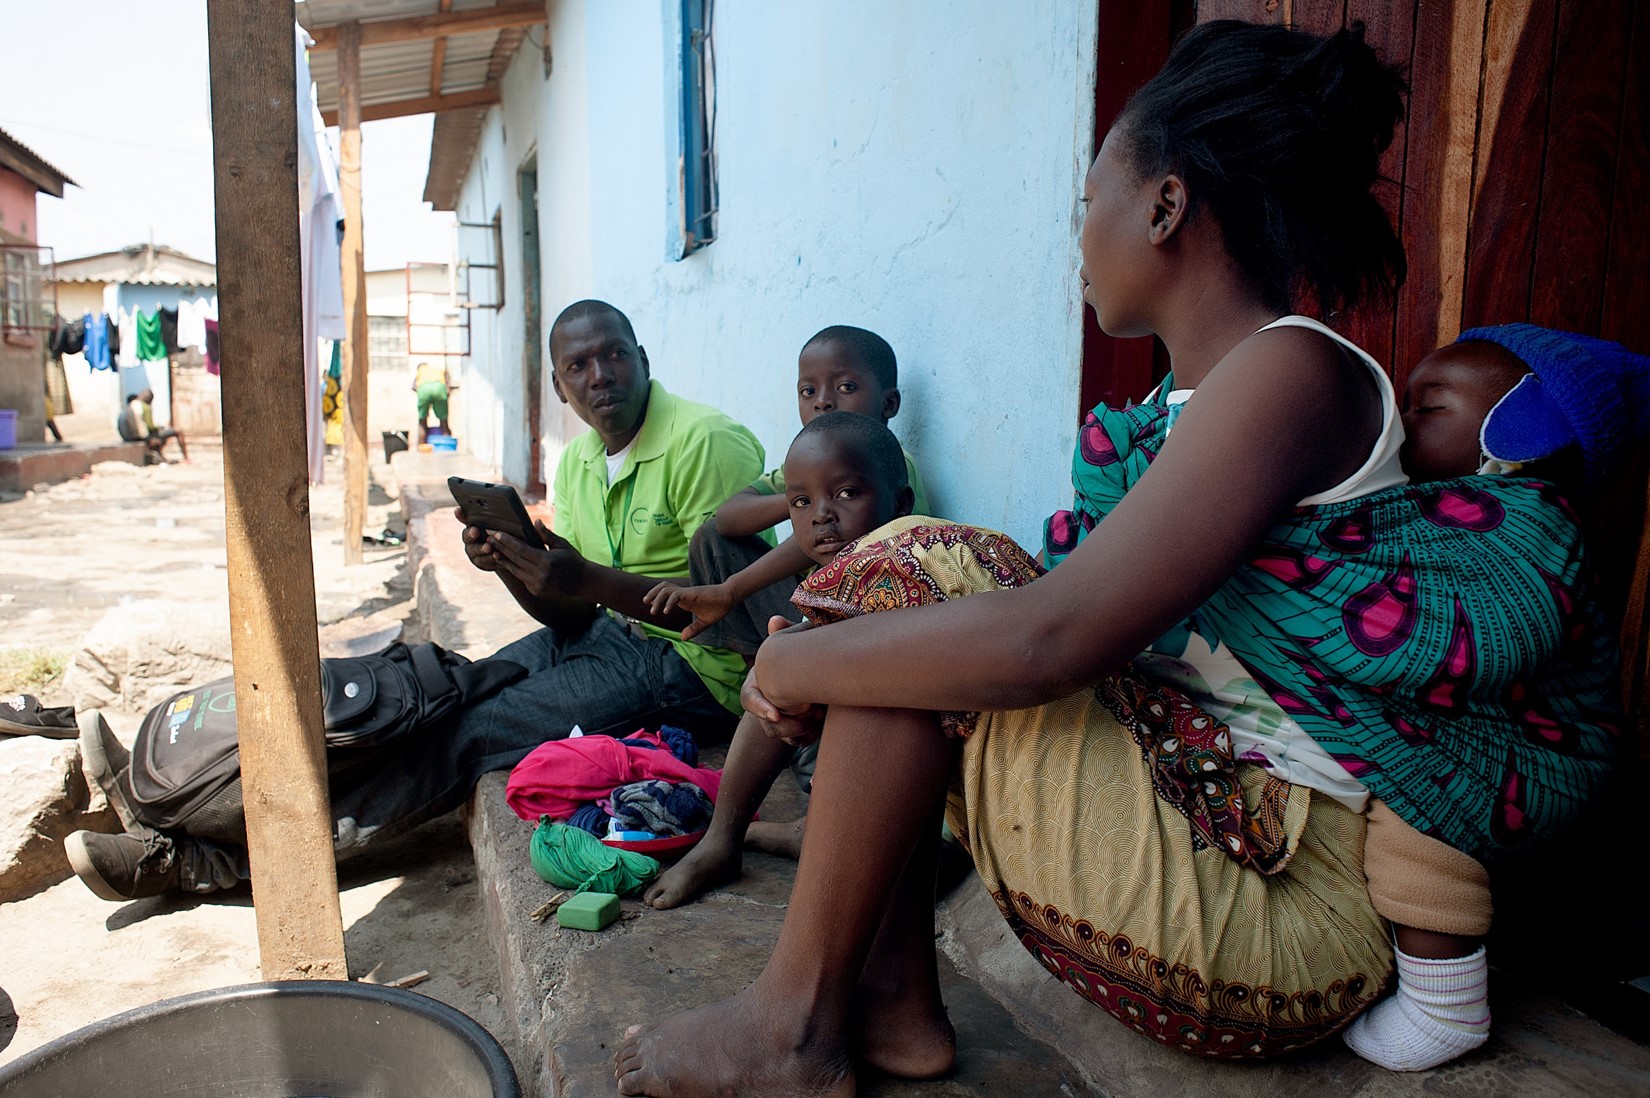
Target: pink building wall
column 22, row 358
column 17, row 220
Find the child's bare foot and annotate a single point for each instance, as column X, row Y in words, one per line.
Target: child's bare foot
column 741, row 1045
column 902, row 1031
column 783, row 840
column 711, row 863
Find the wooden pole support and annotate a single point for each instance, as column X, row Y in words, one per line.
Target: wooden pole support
column 484, row 96
column 266, row 491
column 354, row 381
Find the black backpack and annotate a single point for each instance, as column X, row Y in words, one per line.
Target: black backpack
column 186, row 764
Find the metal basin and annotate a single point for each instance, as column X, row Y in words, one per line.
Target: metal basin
column 273, row 1040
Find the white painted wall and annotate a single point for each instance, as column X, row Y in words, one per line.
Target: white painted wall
column 914, row 169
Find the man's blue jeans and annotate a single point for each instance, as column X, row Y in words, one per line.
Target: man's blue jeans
column 607, row 681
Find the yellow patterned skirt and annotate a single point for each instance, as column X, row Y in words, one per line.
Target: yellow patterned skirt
column 1225, row 920
column 1102, row 879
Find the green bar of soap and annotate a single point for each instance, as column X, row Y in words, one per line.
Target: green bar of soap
column 589, row 911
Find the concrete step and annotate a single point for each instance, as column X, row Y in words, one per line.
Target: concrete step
column 26, row 465
column 572, row 994
column 1537, row 1046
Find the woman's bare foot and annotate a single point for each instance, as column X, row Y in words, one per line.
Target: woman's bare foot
column 781, row 839
column 738, row 1046
column 711, row 863
column 902, row 1031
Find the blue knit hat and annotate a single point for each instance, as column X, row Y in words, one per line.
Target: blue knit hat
column 1581, row 390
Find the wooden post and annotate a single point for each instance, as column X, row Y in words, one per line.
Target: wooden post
column 354, row 381
column 266, row 491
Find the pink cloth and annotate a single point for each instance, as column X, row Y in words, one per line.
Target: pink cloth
column 559, row 776
column 213, row 366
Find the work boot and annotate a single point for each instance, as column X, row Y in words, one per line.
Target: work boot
column 124, row 867
column 103, row 759
column 146, row 862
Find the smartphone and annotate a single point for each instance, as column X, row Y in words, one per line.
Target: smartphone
column 494, row 507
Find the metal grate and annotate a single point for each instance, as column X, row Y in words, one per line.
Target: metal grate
column 437, row 326
column 480, row 273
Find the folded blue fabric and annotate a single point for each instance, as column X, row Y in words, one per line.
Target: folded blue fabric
column 664, row 808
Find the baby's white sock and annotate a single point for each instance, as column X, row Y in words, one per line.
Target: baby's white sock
column 1440, row 1011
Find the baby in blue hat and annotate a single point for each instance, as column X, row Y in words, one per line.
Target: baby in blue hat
column 1520, row 399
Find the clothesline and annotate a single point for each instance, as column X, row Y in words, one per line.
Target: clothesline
column 132, row 336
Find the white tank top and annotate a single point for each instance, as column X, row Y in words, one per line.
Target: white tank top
column 1380, row 469
column 1208, row 672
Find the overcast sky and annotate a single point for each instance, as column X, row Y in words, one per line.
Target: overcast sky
column 115, row 94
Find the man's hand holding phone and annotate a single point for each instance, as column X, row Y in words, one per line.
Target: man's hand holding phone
column 554, row 572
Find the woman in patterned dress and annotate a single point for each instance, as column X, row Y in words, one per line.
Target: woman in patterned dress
column 1156, row 752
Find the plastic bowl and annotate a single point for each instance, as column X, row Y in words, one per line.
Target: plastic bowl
column 326, row 1038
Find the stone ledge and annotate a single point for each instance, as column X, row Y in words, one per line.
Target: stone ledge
column 570, row 995
column 24, row 467
column 1538, row 1045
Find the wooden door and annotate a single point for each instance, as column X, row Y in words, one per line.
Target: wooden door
column 1517, row 184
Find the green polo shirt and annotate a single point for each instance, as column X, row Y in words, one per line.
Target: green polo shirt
column 686, row 461
column 773, row 484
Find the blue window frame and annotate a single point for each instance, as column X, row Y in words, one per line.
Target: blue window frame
column 697, row 118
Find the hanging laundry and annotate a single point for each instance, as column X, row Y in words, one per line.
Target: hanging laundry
column 125, row 348
column 59, row 402
column 168, row 329
column 151, row 346
column 332, row 404
column 320, row 208
column 68, row 336
column 212, row 365
column 96, row 348
column 192, row 324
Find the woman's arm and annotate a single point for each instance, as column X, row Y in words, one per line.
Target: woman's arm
column 1283, row 416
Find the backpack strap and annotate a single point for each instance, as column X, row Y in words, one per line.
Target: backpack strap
column 431, row 671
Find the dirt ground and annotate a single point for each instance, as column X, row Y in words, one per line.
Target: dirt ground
column 70, row 552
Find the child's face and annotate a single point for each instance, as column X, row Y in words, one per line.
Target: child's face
column 829, row 378
column 1449, row 394
column 836, row 496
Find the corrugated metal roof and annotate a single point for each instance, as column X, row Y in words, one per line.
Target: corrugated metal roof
column 31, row 166
column 456, row 134
column 453, row 143
column 329, row 13
column 140, row 265
column 395, row 71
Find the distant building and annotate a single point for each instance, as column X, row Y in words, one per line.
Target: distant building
column 26, row 307
column 411, row 318
column 142, row 277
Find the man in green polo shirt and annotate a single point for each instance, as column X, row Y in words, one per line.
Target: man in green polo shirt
column 629, row 494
